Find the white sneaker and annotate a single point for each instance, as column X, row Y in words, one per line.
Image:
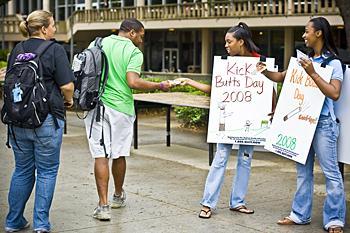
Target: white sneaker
column 118, row 201
column 102, row 213
column 10, row 229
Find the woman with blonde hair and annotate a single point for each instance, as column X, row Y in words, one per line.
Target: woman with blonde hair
column 37, row 150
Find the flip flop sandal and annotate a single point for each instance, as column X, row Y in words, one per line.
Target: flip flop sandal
column 242, row 209
column 286, row 221
column 207, row 213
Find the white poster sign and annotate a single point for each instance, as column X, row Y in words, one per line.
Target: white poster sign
column 241, row 99
column 297, row 112
column 342, row 111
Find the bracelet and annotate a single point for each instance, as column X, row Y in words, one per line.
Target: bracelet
column 161, row 86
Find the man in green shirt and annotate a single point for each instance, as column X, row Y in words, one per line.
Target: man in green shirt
column 125, row 61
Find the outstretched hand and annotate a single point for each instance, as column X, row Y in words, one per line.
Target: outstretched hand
column 261, row 67
column 165, row 85
column 182, row 81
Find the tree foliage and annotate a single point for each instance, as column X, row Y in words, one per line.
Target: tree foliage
column 344, row 8
column 3, row 2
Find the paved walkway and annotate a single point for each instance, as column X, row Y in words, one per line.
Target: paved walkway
column 164, row 186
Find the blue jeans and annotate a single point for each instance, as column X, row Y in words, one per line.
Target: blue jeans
column 324, row 144
column 216, row 174
column 38, row 150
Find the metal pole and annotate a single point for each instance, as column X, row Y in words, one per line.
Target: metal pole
column 136, row 126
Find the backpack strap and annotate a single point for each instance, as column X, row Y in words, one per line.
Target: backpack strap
column 20, row 48
column 98, row 42
column 333, row 57
column 42, row 47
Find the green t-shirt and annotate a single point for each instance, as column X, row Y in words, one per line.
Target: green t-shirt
column 123, row 56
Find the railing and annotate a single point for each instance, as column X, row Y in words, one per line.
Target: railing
column 198, row 10
column 215, row 9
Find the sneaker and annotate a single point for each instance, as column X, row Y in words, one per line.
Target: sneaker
column 102, row 213
column 9, row 229
column 118, row 201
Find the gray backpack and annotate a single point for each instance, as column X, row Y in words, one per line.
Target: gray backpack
column 88, row 67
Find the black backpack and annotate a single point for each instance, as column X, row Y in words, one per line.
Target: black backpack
column 25, row 96
column 90, row 69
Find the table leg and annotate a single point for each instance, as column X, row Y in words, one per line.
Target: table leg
column 211, row 153
column 135, row 128
column 341, row 169
column 168, row 125
column 65, row 123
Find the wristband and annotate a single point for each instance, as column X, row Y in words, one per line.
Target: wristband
column 161, row 86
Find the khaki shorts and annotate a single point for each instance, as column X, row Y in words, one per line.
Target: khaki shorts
column 117, row 131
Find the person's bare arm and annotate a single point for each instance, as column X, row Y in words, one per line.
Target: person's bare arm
column 67, row 92
column 200, row 86
column 135, row 82
column 274, row 76
column 331, row 89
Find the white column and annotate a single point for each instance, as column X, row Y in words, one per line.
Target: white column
column 11, row 7
column 205, row 51
column 46, row 5
column 288, row 45
column 88, row 4
column 140, row 2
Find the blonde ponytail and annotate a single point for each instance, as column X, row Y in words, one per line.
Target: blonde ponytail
column 34, row 22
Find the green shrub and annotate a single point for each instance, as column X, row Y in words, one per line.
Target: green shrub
column 3, row 64
column 192, row 117
column 3, row 54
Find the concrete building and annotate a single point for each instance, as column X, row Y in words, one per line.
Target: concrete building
column 181, row 36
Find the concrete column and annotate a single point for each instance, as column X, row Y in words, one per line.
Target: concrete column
column 11, row 7
column 194, row 34
column 38, row 4
column 205, row 51
column 88, row 4
column 56, row 11
column 288, row 45
column 21, row 6
column 65, row 9
column 30, row 6
column 140, row 2
column 46, row 5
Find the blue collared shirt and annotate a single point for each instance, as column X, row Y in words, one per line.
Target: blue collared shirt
column 337, row 74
